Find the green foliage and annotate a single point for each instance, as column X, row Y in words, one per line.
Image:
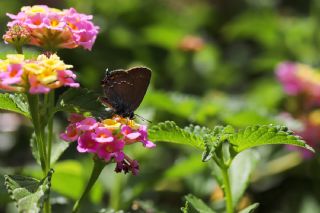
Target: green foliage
column 28, row 193
column 178, row 170
column 195, row 204
column 240, row 172
column 206, row 139
column 169, row 132
column 82, row 101
column 250, row 209
column 266, row 134
column 58, row 147
column 15, row 103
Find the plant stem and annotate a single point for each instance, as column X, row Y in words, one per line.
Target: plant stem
column 50, row 106
column 33, row 101
column 19, row 49
column 97, row 169
column 227, row 189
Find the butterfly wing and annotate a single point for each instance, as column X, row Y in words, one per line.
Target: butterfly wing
column 124, row 90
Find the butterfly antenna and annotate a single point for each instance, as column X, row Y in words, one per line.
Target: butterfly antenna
column 142, row 118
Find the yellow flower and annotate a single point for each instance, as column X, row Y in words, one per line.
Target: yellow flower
column 53, row 62
column 34, row 9
column 47, row 76
column 33, row 68
column 111, row 124
column 15, row 58
column 3, row 65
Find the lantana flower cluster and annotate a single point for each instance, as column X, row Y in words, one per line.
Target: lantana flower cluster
column 54, row 28
column 35, row 76
column 107, row 139
column 298, row 79
column 302, row 83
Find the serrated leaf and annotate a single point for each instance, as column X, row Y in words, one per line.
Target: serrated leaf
column 168, row 131
column 82, row 101
column 28, row 193
column 198, row 204
column 265, row 134
column 250, row 209
column 15, row 103
column 240, row 172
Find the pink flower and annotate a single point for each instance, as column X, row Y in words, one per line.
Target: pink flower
column 12, row 75
column 111, row 150
column 71, row 134
column 107, row 139
column 66, row 78
column 286, row 73
column 130, row 135
column 87, row 124
column 53, row 28
column 36, row 87
column 86, row 143
column 102, row 135
column 144, row 137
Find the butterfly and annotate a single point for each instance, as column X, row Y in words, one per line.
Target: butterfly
column 124, row 89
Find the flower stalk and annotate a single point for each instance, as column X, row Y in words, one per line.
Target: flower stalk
column 96, row 171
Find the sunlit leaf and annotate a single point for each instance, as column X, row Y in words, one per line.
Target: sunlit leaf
column 28, row 193
column 240, row 172
column 265, row 134
column 169, row 132
column 197, row 204
column 15, row 103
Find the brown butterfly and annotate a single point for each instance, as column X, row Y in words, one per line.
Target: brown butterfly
column 124, row 90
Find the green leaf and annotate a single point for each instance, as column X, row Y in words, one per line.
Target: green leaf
column 214, row 140
column 178, row 170
column 168, row 131
column 58, row 147
column 28, row 193
column 198, row 204
column 240, row 171
column 82, row 101
column 14, row 102
column 265, row 134
column 250, row 209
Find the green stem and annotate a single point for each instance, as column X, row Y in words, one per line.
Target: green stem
column 227, row 189
column 33, row 101
column 19, row 49
column 50, row 106
column 97, row 169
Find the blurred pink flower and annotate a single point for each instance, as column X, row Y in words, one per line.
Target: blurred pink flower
column 299, row 79
column 286, row 74
column 52, row 28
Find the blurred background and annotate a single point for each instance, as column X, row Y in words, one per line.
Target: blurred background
column 213, row 63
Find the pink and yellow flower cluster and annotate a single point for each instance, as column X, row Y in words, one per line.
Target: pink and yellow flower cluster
column 53, row 28
column 107, row 138
column 299, row 79
column 36, row 76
